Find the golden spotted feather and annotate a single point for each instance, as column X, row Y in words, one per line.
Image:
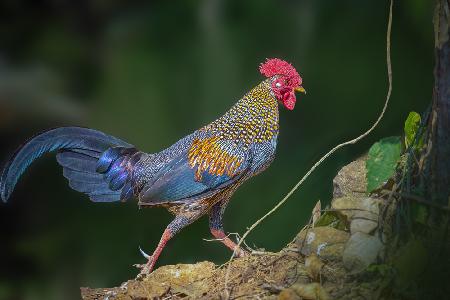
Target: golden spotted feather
column 226, row 141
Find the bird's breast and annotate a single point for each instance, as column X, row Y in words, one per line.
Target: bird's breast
column 263, row 154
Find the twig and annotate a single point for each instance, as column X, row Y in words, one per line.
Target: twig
column 221, row 239
column 347, row 209
column 350, row 142
column 238, row 237
column 422, row 201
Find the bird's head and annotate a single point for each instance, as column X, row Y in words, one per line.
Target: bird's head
column 285, row 80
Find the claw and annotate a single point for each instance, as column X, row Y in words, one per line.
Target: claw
column 145, row 255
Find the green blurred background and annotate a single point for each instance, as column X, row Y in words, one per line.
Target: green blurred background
column 152, row 72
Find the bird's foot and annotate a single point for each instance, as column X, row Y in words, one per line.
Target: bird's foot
column 242, row 253
column 145, row 268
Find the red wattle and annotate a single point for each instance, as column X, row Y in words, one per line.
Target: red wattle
column 289, row 100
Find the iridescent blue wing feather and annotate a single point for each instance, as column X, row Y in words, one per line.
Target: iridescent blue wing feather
column 179, row 180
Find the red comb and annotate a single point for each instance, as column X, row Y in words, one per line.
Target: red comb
column 276, row 66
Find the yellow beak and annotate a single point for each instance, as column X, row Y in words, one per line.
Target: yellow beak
column 300, row 89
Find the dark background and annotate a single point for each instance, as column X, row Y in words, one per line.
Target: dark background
column 151, row 72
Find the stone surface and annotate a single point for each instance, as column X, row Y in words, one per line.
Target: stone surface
column 289, row 294
column 311, row 291
column 249, row 277
column 351, row 179
column 363, row 225
column 360, row 251
column 326, row 242
column 185, row 279
column 357, row 207
column 313, row 266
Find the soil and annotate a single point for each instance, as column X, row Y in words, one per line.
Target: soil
column 265, row 276
column 311, row 267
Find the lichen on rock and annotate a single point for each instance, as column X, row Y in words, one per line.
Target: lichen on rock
column 325, row 242
column 351, row 179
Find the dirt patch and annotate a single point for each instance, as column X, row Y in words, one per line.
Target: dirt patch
column 311, row 267
column 255, row 275
column 287, row 274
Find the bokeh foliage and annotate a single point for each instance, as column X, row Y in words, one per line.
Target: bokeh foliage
column 150, row 73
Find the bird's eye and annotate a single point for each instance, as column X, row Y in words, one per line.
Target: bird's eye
column 277, row 84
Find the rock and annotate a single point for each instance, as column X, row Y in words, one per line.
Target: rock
column 182, row 278
column 326, row 242
column 360, row 251
column 312, row 291
column 333, row 273
column 363, row 225
column 332, row 252
column 301, row 274
column 313, row 266
column 351, row 179
column 357, row 207
column 288, row 294
column 346, row 205
column 361, row 212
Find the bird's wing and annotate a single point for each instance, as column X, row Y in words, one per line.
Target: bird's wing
column 205, row 168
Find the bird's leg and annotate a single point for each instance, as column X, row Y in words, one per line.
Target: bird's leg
column 216, row 228
column 148, row 267
column 219, row 234
column 176, row 225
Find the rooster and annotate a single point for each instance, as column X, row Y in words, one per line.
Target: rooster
column 195, row 176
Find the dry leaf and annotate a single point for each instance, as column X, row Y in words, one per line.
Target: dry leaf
column 316, row 212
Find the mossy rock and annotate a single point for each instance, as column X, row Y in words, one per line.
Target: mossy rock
column 326, row 242
column 351, row 179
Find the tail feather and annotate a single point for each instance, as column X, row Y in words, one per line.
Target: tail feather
column 79, row 151
column 127, row 191
column 117, row 167
column 90, row 153
column 118, row 181
column 106, row 197
column 82, row 176
column 77, row 161
column 111, row 156
column 90, row 188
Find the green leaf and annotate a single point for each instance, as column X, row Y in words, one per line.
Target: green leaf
column 381, row 162
column 411, row 126
column 332, row 219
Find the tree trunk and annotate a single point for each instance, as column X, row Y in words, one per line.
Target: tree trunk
column 439, row 124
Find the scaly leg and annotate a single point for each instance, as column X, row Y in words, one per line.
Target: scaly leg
column 176, row 225
column 216, row 227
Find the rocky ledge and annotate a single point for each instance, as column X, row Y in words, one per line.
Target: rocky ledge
column 324, row 261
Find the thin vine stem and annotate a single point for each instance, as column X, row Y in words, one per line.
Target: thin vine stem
column 334, row 149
